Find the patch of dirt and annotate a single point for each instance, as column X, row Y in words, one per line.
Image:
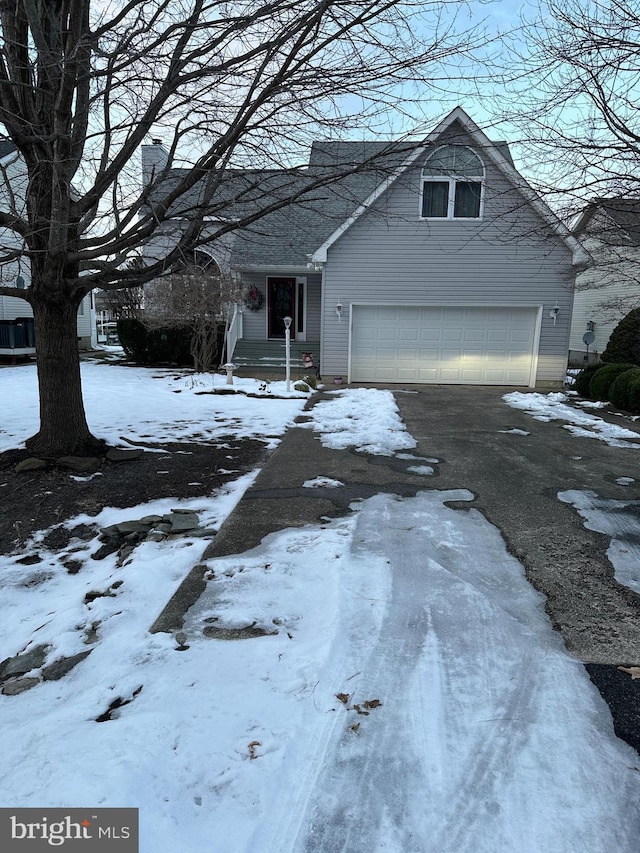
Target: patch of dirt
column 37, row 500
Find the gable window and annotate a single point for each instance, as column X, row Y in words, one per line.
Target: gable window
column 452, row 180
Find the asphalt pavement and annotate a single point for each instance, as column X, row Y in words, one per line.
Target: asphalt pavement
column 515, row 478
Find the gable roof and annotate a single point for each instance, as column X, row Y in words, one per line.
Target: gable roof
column 293, row 235
column 356, row 174
column 619, row 223
column 500, row 157
column 338, row 177
column 290, row 235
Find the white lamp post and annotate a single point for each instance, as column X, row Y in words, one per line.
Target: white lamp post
column 287, row 349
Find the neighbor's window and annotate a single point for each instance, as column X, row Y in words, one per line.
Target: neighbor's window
column 452, row 181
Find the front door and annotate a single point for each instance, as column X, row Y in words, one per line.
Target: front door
column 281, row 295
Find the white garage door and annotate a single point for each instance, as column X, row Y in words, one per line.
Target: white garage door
column 475, row 346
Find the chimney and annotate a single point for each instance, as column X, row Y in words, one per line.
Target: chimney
column 154, row 160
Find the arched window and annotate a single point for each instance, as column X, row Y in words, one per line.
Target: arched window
column 452, row 182
column 198, row 260
column 194, row 286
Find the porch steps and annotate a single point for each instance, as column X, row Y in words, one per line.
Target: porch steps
column 270, row 355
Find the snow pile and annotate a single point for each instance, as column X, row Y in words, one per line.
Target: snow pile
column 592, row 404
column 423, row 470
column 364, row 418
column 322, row 483
column 551, row 407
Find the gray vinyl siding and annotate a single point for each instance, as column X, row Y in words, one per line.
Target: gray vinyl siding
column 605, row 293
column 314, row 299
column 389, row 255
column 10, row 308
column 254, row 323
column 86, row 321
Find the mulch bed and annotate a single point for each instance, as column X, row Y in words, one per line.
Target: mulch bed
column 37, row 500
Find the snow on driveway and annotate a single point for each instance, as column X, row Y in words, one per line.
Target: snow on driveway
column 408, row 694
column 488, row 736
column 364, row 418
column 462, row 724
column 618, row 520
column 552, row 407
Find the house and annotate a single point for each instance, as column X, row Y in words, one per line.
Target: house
column 16, row 323
column 430, row 262
column 609, row 287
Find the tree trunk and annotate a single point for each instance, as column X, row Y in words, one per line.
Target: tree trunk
column 63, row 424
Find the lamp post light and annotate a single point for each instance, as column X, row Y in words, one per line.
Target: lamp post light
column 287, row 349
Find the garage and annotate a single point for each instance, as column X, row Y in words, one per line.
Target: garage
column 446, row 345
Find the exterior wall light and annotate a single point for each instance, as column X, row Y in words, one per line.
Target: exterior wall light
column 554, row 313
column 339, row 311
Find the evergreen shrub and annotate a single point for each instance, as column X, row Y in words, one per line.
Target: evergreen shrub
column 633, row 404
column 155, row 346
column 583, row 379
column 620, row 388
column 603, row 379
column 624, row 343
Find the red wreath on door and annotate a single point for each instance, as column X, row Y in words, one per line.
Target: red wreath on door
column 255, row 299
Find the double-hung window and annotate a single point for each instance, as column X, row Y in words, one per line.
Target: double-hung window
column 452, row 182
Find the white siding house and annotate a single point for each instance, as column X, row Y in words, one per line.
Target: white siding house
column 610, row 286
column 17, row 273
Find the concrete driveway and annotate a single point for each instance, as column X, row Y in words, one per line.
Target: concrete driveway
column 515, row 478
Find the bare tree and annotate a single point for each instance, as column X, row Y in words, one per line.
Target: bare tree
column 124, row 303
column 572, row 90
column 246, row 83
column 196, row 296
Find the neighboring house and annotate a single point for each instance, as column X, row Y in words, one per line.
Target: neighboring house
column 16, row 325
column 429, row 262
column 609, row 229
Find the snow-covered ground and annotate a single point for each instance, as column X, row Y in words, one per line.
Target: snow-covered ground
column 408, row 693
column 157, row 405
column 552, row 407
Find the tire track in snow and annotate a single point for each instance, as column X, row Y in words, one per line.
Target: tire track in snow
column 309, row 752
column 477, row 792
column 324, row 722
column 368, row 784
column 473, row 749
